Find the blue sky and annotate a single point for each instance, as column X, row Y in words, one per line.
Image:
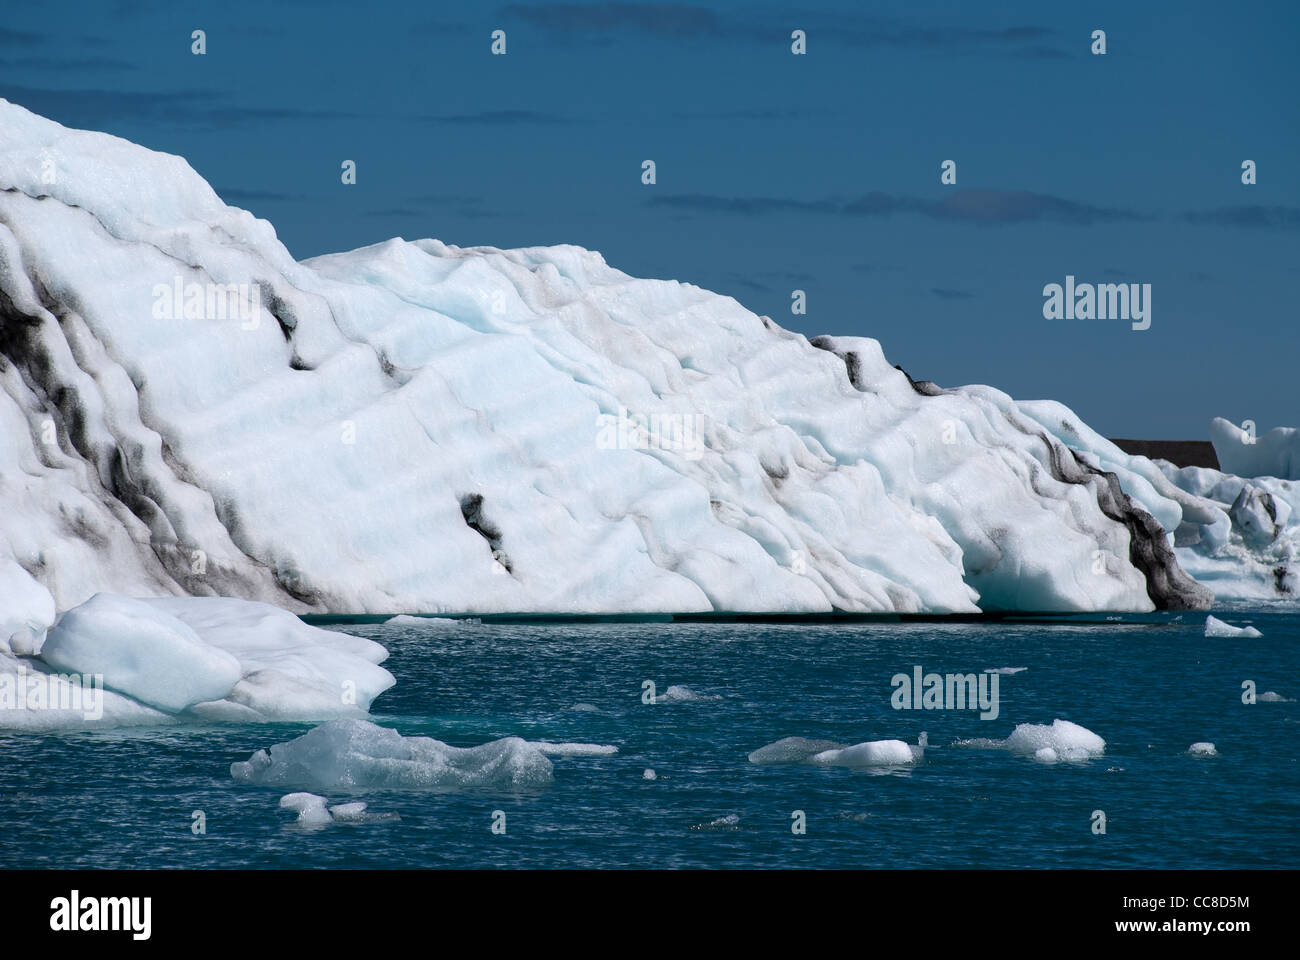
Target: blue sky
column 775, row 172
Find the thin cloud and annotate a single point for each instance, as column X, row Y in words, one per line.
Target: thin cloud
column 946, row 293
column 969, row 206
column 678, row 21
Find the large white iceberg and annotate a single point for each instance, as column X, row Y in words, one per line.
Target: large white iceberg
column 419, row 427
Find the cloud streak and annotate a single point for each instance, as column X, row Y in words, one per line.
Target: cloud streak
column 986, row 207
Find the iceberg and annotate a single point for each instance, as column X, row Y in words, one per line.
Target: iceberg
column 185, row 410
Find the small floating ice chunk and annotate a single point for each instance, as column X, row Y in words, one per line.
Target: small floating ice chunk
column 347, row 754
column 406, row 620
column 1005, row 670
column 309, row 807
column 1270, row 696
column 585, row 708
column 358, row 813
column 873, row 753
column 792, row 750
column 649, row 774
column 683, row 694
column 1214, row 627
column 1067, row 740
column 722, row 823
column 574, row 749
column 1203, row 749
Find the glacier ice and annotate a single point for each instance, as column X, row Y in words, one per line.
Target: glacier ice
column 1203, row 749
column 346, row 754
column 417, row 426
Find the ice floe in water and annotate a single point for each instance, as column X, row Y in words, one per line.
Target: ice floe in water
column 683, row 694
column 649, row 774
column 792, row 750
column 1203, row 749
column 348, row 754
column 1214, row 627
column 872, row 753
column 574, row 749
column 1005, row 671
column 1059, row 740
column 1271, row 696
column 730, row 821
column 309, row 807
column 312, row 811
column 406, row 620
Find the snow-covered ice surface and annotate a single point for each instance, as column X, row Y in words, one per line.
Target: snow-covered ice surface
column 419, row 427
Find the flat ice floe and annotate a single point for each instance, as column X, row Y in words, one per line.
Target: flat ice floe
column 574, row 749
column 347, row 755
column 1214, row 627
column 406, row 620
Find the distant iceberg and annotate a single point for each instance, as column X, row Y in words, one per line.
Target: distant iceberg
column 187, row 410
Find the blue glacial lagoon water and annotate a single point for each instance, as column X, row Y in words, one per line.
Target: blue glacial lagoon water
column 1150, row 686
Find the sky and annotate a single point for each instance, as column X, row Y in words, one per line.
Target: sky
column 774, row 172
